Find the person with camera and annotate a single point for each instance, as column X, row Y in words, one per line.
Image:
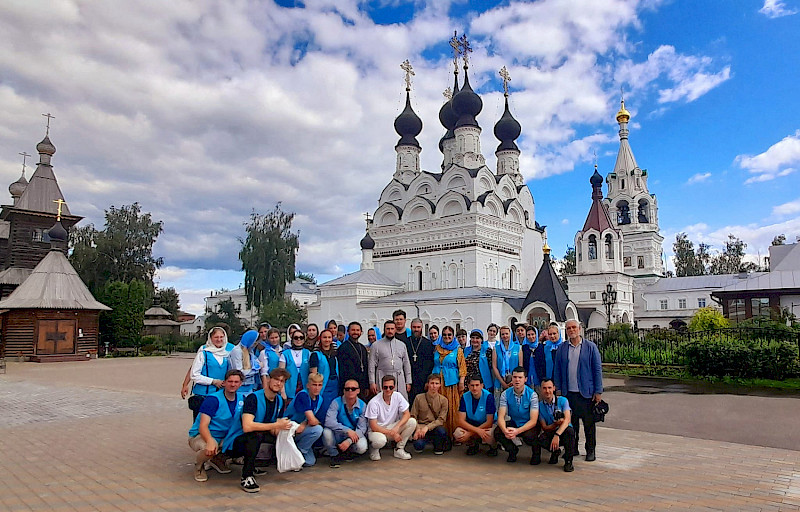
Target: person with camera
column 554, row 420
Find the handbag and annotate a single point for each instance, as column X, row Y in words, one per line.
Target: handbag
column 599, row 411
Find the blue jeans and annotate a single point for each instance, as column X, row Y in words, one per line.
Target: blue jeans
column 305, row 440
column 437, row 436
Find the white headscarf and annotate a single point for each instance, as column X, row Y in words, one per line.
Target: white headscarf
column 217, row 351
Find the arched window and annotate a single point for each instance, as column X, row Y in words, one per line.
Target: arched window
column 512, row 284
column 578, row 251
column 623, row 213
column 592, row 247
column 644, row 211
column 622, row 186
column 609, row 243
column 640, row 261
column 419, row 279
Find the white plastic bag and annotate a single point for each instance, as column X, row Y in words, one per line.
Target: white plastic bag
column 289, row 457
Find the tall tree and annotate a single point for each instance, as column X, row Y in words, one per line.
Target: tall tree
column 685, row 257
column 268, row 256
column 122, row 326
column 779, row 240
column 566, row 266
column 226, row 313
column 282, row 313
column 730, row 260
column 169, row 299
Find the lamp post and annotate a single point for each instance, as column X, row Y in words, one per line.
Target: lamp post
column 609, row 299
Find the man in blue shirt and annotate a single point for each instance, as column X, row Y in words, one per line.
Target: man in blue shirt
column 520, row 404
column 306, row 409
column 554, row 420
column 476, row 418
column 578, row 375
column 345, row 425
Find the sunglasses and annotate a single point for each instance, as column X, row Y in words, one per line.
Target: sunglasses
column 298, row 337
column 351, row 389
column 447, row 335
column 388, row 387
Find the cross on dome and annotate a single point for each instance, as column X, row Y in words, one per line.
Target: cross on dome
column 448, row 93
column 61, row 203
column 506, row 78
column 456, row 46
column 49, row 117
column 24, row 157
column 406, row 66
column 466, row 49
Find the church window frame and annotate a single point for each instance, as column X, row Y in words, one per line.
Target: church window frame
column 643, row 211
column 640, row 262
column 592, row 252
column 609, row 246
column 623, row 212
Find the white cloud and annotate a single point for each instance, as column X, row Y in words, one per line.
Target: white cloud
column 699, row 178
column 789, row 208
column 777, row 161
column 564, row 222
column 776, row 9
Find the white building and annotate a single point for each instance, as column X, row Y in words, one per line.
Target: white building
column 300, row 291
column 458, row 247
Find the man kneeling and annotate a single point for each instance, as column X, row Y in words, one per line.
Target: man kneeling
column 554, row 418
column 389, row 418
column 259, row 424
column 345, row 425
column 476, row 414
column 430, row 411
column 519, row 402
column 306, row 409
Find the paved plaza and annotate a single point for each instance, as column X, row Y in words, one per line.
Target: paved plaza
column 111, row 435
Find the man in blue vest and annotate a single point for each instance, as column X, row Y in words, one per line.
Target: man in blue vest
column 261, row 421
column 554, row 420
column 345, row 425
column 214, row 419
column 306, row 409
column 578, row 374
column 520, row 404
column 476, row 418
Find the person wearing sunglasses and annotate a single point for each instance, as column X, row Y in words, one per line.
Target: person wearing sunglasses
column 345, row 425
column 296, row 361
column 389, row 420
column 449, row 362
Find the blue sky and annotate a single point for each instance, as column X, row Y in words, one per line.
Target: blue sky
column 204, row 112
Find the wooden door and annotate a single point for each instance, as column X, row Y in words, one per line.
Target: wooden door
column 56, row 337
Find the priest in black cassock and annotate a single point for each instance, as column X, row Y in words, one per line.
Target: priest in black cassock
column 420, row 353
column 353, row 361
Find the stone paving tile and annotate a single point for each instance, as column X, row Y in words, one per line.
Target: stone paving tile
column 80, row 448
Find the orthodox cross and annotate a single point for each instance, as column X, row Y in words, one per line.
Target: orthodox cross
column 466, row 49
column 448, row 93
column 506, row 78
column 24, row 157
column 456, row 46
column 406, row 66
column 60, row 202
column 595, row 158
column 49, row 117
column 366, row 216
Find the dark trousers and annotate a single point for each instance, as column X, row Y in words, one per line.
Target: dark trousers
column 437, row 436
column 582, row 411
column 528, row 437
column 567, row 440
column 247, row 446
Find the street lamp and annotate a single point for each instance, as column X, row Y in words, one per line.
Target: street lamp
column 609, row 299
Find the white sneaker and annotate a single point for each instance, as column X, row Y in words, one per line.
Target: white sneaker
column 374, row 454
column 401, row 454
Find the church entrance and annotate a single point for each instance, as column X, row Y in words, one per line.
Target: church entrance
column 539, row 318
column 55, row 337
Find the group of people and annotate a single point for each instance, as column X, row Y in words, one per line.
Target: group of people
column 342, row 396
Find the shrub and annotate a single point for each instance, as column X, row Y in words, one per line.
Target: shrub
column 717, row 357
column 148, row 349
column 708, row 319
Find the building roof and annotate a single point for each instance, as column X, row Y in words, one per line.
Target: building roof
column 548, row 289
column 155, row 322
column 301, row 286
column 598, row 217
column 14, row 275
column 157, row 311
column 475, row 292
column 670, row 284
column 367, row 276
column 42, row 192
column 785, row 257
column 53, row 284
column 766, row 281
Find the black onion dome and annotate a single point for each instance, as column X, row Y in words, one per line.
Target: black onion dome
column 467, row 105
column 507, row 130
column 447, row 116
column 408, row 125
column 367, row 242
column 57, row 232
column 596, row 180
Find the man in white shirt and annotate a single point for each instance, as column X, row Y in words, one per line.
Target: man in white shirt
column 389, row 418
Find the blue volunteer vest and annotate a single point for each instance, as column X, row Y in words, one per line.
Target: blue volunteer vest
column 261, row 411
column 546, row 410
column 300, row 416
column 447, row 368
column 348, row 420
column 223, row 420
column 504, row 356
column 520, row 412
column 295, row 373
column 273, row 358
column 325, row 369
column 533, row 377
column 214, row 370
column 479, row 416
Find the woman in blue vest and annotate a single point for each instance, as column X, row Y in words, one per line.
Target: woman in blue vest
column 242, row 358
column 550, row 346
column 210, row 365
column 296, row 362
column 448, row 361
column 324, row 362
column 533, row 358
column 507, row 355
column 477, row 360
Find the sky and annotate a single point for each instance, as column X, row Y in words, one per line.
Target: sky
column 205, row 111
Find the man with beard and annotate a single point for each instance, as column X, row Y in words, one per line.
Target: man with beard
column 388, row 356
column 354, row 361
column 420, row 353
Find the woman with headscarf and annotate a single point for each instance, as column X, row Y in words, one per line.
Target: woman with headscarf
column 448, row 361
column 550, row 346
column 312, row 337
column 476, row 360
column 289, row 331
column 433, row 334
column 324, row 361
column 242, row 358
column 373, row 335
column 533, row 359
column 210, row 365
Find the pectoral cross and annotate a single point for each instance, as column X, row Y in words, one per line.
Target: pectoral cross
column 506, row 78
column 49, row 117
column 60, row 202
column 24, row 157
column 415, row 358
column 406, row 66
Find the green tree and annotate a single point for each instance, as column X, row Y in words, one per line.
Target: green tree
column 687, row 261
column 282, row 313
column 226, row 313
column 122, row 251
column 708, row 319
column 730, row 260
column 169, row 299
column 122, row 326
column 306, row 276
column 268, row 256
column 779, row 240
column 566, row 266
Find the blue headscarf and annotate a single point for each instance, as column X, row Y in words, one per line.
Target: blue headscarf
column 378, row 335
column 447, row 346
column 468, row 348
column 528, row 342
column 550, row 346
column 248, row 338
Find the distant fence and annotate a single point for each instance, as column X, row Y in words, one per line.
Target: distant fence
column 659, row 347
